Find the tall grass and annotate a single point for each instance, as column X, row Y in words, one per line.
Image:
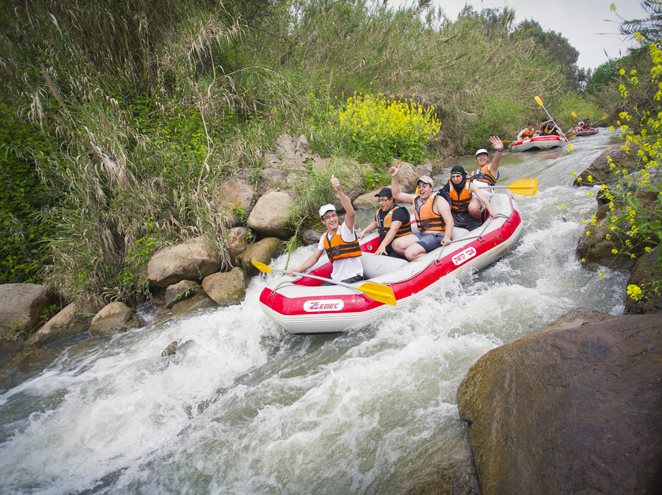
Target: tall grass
column 149, row 106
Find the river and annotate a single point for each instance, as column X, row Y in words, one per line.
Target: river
column 245, row 408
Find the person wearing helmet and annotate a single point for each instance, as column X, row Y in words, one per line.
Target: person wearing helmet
column 487, row 173
column 393, row 223
column 340, row 241
column 432, row 212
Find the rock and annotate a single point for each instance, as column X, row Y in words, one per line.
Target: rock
column 274, row 179
column 646, row 274
column 226, row 288
column 263, row 251
column 407, row 176
column 237, row 240
column 21, row 306
column 180, row 291
column 576, row 408
column 599, row 169
column 192, row 260
column 23, row 366
column 235, row 197
column 367, row 200
column 311, row 236
column 176, row 347
column 113, row 318
column 597, row 249
column 72, row 320
column 199, row 301
column 269, row 216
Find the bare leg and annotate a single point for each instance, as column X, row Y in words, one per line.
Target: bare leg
column 414, row 251
column 475, row 209
column 401, row 244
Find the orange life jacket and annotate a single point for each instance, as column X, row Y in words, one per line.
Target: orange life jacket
column 483, row 174
column 527, row 133
column 426, row 218
column 460, row 202
column 384, row 227
column 336, row 248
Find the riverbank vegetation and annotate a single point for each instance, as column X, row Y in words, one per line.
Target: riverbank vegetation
column 125, row 116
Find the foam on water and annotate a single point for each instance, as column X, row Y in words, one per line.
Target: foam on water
column 248, row 408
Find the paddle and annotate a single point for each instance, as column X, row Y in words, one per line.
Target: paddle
column 525, row 187
column 378, row 292
column 539, row 102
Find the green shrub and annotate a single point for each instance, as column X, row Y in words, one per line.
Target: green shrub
column 376, row 129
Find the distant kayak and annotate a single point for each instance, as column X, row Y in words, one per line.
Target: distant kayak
column 538, row 143
column 589, row 131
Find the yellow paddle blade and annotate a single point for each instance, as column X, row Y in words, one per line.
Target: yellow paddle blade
column 525, row 187
column 262, row 267
column 538, row 101
column 378, row 292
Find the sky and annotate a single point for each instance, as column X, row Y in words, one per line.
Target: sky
column 589, row 25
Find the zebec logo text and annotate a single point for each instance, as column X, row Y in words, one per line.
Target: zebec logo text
column 323, row 305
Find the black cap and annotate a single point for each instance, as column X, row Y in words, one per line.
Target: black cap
column 385, row 191
column 459, row 169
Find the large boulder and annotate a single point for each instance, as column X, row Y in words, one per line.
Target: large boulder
column 113, row 318
column 21, row 307
column 576, row 408
column 199, row 301
column 72, row 320
column 192, row 260
column 407, row 176
column 235, row 197
column 269, row 215
column 599, row 171
column 226, row 288
column 263, row 251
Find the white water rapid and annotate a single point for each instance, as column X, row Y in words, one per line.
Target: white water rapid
column 246, row 408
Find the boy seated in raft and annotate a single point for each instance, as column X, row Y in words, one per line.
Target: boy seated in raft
column 394, row 225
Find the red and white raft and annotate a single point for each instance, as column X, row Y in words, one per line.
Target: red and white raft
column 304, row 306
column 538, row 143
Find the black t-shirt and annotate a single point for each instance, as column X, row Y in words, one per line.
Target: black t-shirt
column 399, row 215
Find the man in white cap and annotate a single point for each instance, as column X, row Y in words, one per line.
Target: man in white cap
column 487, row 173
column 339, row 241
column 432, row 212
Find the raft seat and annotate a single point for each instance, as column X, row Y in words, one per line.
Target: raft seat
column 375, row 266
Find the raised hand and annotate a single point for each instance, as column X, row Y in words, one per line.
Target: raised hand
column 335, row 183
column 393, row 171
column 497, row 144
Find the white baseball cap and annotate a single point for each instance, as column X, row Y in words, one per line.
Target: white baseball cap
column 481, row 152
column 325, row 208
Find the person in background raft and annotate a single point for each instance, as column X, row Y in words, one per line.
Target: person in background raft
column 487, row 173
column 339, row 241
column 465, row 197
column 548, row 128
column 433, row 216
column 527, row 133
column 394, row 224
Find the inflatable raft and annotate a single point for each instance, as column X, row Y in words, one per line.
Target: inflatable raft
column 304, row 306
column 538, row 143
column 585, row 132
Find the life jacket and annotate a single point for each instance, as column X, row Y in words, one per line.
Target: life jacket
column 336, row 248
column 385, row 226
column 426, row 218
column 483, row 174
column 460, row 202
column 527, row 133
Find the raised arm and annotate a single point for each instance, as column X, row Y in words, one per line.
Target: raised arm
column 497, row 146
column 345, row 202
column 396, row 190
